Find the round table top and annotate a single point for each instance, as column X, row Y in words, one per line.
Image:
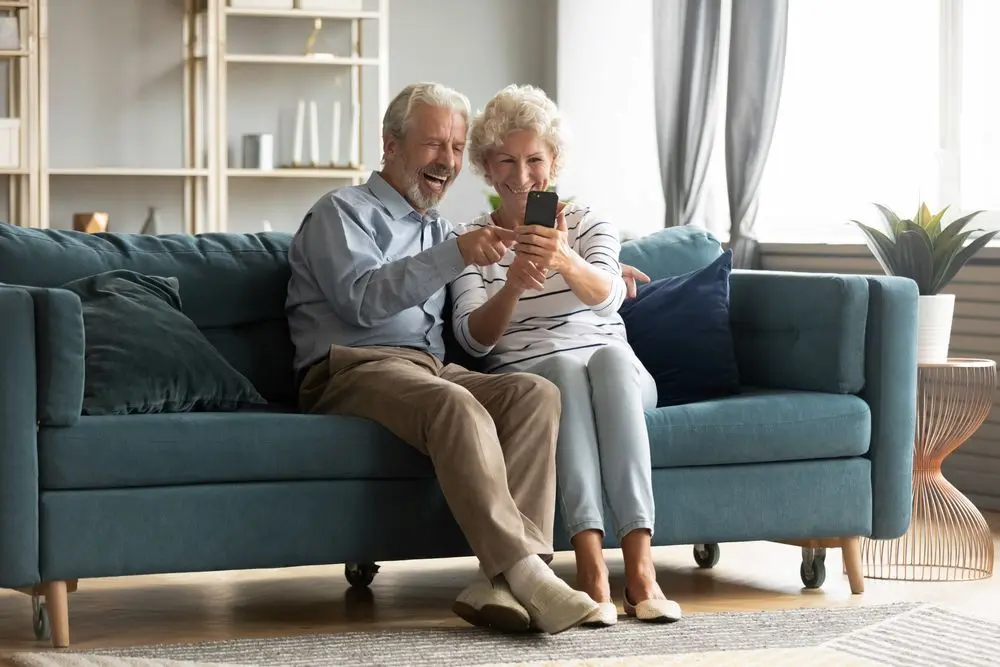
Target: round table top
column 960, row 362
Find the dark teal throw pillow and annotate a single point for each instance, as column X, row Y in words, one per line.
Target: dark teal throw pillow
column 144, row 355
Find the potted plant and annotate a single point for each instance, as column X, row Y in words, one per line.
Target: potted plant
column 931, row 255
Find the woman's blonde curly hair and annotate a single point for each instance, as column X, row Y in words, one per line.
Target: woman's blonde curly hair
column 516, row 108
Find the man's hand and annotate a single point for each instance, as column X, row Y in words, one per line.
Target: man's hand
column 523, row 275
column 632, row 276
column 485, row 246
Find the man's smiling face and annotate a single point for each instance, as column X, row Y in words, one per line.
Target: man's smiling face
column 425, row 161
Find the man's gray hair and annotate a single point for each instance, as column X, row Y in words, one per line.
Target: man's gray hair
column 398, row 115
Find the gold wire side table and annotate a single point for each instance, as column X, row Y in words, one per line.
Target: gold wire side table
column 948, row 538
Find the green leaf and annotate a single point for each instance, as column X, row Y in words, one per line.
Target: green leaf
column 891, row 219
column 934, row 226
column 881, row 247
column 923, row 215
column 914, row 256
column 956, row 226
column 945, row 250
column 960, row 259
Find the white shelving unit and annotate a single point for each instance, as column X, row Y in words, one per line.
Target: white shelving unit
column 220, row 17
column 193, row 173
column 205, row 169
column 22, row 65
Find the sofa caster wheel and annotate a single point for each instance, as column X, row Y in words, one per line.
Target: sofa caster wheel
column 813, row 568
column 707, row 555
column 40, row 618
column 360, row 575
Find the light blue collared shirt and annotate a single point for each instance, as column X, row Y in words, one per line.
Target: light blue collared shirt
column 368, row 269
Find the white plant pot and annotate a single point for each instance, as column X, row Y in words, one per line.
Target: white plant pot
column 934, row 317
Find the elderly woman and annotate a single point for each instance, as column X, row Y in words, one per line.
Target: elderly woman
column 550, row 307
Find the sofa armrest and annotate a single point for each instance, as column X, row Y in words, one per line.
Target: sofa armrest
column 801, row 331
column 59, row 356
column 891, row 393
column 18, row 440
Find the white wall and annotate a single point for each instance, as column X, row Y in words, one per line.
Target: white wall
column 116, row 96
column 604, row 86
column 477, row 47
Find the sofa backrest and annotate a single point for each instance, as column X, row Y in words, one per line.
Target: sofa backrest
column 672, row 251
column 232, row 286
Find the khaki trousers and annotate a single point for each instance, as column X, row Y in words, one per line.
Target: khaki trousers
column 490, row 438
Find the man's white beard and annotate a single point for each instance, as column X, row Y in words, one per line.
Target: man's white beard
column 411, row 186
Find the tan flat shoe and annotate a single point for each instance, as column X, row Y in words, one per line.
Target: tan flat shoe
column 653, row 610
column 604, row 616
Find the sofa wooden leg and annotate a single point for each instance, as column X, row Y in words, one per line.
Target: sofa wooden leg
column 57, row 603
column 850, row 548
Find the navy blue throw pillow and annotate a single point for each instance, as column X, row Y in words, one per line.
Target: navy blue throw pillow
column 679, row 329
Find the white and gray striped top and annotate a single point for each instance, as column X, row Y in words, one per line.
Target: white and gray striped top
column 552, row 320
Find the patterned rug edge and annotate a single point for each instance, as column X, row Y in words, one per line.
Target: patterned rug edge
column 848, row 635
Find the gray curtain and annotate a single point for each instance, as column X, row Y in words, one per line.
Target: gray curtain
column 756, row 70
column 685, row 66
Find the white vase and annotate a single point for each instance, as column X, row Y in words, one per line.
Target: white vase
column 934, row 317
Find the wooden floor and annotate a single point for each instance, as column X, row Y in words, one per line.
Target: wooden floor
column 197, row 607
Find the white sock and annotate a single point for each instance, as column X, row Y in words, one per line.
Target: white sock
column 526, row 574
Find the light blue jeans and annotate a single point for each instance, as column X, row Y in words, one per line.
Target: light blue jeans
column 603, row 445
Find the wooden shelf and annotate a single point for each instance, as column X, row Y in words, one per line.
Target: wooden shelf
column 299, row 172
column 207, row 139
column 300, row 14
column 126, row 171
column 298, row 60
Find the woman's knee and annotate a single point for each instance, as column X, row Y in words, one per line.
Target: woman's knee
column 564, row 370
column 613, row 364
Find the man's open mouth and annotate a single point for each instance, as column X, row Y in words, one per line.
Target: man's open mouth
column 436, row 182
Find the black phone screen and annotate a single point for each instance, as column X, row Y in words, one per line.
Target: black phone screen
column 541, row 208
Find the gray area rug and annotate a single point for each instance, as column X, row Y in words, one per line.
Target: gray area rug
column 911, row 635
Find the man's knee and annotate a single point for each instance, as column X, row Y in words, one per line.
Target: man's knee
column 537, row 394
column 455, row 399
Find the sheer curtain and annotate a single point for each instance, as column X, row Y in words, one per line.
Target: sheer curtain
column 858, row 121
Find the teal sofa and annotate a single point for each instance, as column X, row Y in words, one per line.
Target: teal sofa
column 816, row 448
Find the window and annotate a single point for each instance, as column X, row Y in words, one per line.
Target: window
column 894, row 102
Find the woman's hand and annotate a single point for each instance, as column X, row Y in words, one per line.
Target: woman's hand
column 523, row 275
column 632, row 277
column 546, row 247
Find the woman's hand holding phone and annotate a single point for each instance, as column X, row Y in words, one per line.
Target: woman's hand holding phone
column 546, row 247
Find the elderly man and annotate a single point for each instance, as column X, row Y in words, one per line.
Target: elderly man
column 370, row 265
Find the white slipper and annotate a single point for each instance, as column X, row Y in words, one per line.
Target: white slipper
column 555, row 606
column 492, row 605
column 604, row 616
column 653, row 610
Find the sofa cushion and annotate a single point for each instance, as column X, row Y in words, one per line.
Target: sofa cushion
column 679, row 330
column 205, row 448
column 142, row 354
column 671, row 252
column 759, row 426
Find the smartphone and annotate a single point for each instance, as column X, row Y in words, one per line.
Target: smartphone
column 541, row 208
